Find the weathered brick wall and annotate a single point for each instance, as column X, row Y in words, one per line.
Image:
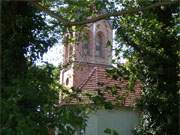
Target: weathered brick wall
column 83, row 70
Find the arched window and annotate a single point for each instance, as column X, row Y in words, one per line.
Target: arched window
column 67, row 81
column 86, row 44
column 99, row 44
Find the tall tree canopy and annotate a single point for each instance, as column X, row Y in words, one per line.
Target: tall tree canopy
column 30, row 94
column 146, row 33
column 153, row 48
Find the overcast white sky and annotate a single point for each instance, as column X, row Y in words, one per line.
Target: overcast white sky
column 53, row 56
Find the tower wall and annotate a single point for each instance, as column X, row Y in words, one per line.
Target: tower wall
column 104, row 28
column 86, row 59
column 83, row 70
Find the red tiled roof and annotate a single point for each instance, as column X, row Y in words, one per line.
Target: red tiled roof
column 99, row 76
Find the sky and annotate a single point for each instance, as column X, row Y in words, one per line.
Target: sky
column 53, row 56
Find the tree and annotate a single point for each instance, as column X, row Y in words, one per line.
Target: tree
column 79, row 10
column 30, row 94
column 152, row 38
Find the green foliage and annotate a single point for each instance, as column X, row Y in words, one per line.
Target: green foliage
column 28, row 103
column 110, row 131
column 151, row 41
column 30, row 94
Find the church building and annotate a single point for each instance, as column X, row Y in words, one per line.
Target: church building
column 89, row 57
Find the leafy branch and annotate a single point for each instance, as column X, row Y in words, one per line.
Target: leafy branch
column 67, row 22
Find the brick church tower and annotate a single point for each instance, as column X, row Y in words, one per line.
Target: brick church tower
column 90, row 58
column 88, row 53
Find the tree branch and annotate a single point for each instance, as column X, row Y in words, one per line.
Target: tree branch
column 58, row 17
column 66, row 22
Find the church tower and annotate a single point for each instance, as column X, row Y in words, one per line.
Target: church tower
column 89, row 52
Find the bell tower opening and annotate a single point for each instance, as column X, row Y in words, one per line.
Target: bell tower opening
column 99, row 42
column 86, row 50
